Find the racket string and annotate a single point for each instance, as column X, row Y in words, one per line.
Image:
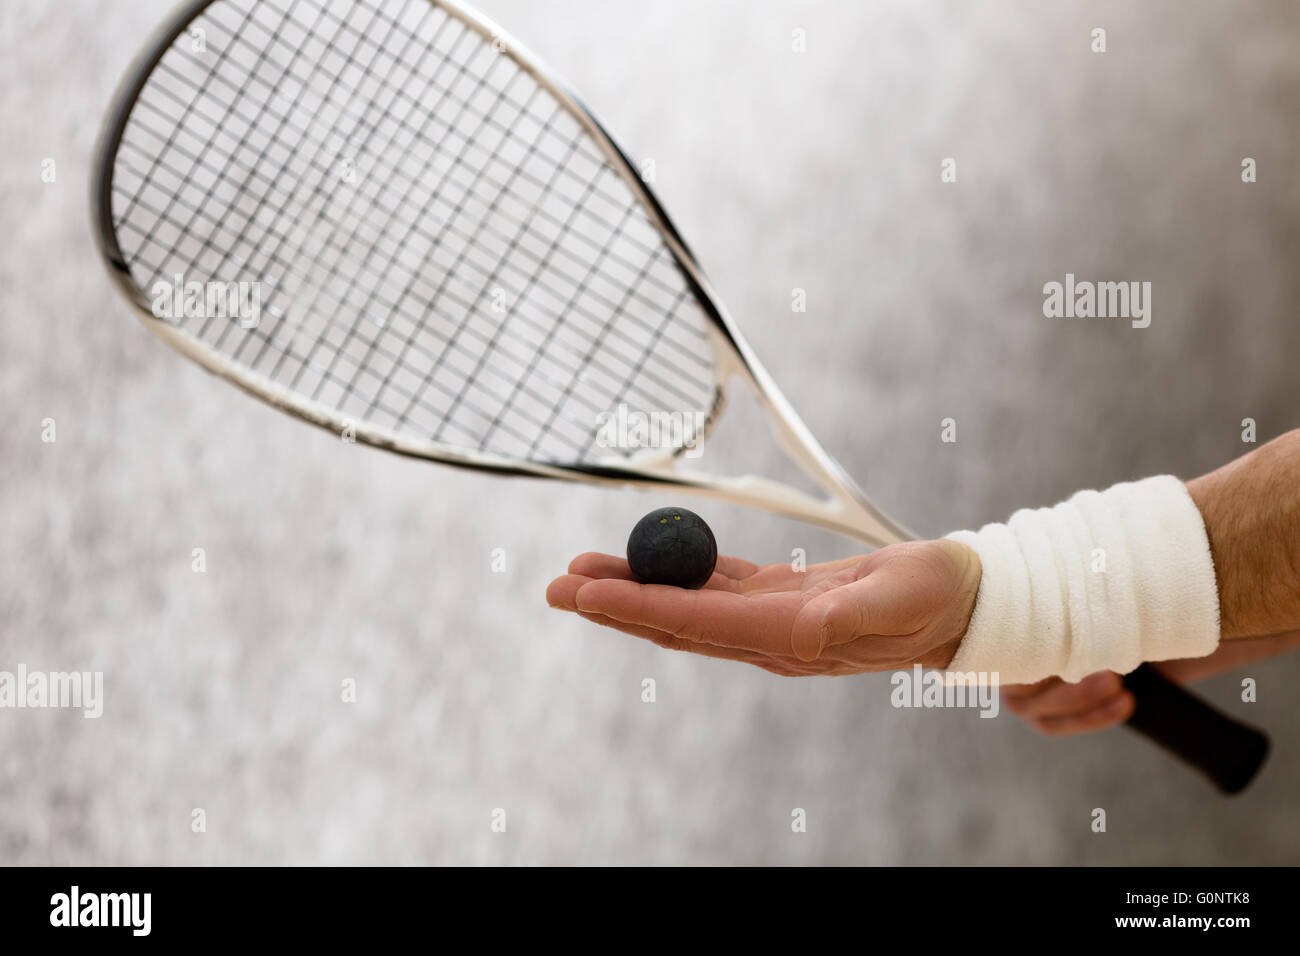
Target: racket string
column 380, row 300
column 692, row 356
column 636, row 385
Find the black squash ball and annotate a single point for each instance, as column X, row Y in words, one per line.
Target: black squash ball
column 672, row 546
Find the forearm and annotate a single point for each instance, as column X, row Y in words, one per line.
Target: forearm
column 1251, row 508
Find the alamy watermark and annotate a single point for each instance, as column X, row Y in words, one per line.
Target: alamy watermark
column 1101, row 300
column 629, row 429
column 83, row 690
column 179, row 299
column 75, row 908
column 922, row 688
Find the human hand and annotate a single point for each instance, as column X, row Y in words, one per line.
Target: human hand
column 1099, row 700
column 904, row 604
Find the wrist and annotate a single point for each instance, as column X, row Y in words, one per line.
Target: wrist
column 1103, row 581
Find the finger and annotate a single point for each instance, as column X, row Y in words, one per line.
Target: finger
column 735, row 568
column 712, row 616
column 785, row 668
column 593, row 564
column 1017, row 691
column 669, row 642
column 1230, row 655
column 636, row 630
column 841, row 615
column 1064, row 700
column 1114, row 711
column 562, row 592
column 876, row 653
column 781, row 670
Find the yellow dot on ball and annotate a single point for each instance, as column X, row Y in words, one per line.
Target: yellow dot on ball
column 677, row 517
column 663, row 520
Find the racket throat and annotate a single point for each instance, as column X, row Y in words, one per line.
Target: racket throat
column 846, row 512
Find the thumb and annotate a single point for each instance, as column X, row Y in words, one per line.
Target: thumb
column 884, row 602
column 838, row 616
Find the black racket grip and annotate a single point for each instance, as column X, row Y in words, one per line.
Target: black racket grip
column 1228, row 752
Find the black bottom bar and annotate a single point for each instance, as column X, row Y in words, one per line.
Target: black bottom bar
column 336, row 906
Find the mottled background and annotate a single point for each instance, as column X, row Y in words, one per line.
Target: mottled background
column 818, row 171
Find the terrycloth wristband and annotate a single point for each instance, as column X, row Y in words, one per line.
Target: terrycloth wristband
column 1103, row 581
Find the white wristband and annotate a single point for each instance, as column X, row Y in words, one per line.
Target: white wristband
column 1103, row 581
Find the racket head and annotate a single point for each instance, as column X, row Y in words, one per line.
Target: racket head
column 379, row 320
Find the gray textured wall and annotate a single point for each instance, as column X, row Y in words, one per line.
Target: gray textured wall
column 818, row 171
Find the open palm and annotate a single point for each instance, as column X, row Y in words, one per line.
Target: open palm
column 908, row 603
